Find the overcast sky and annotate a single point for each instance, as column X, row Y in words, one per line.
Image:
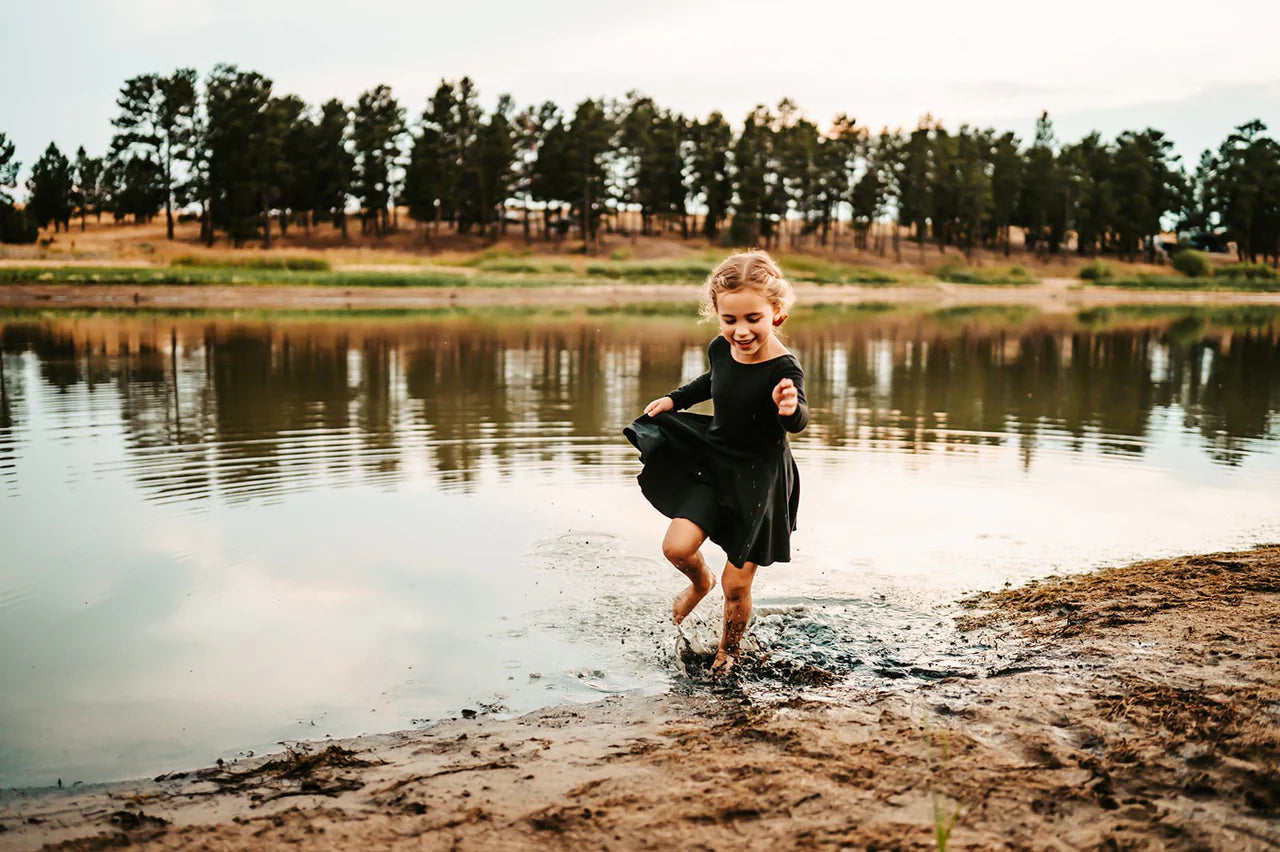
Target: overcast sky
column 1192, row 69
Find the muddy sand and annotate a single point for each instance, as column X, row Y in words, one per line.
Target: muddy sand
column 1144, row 714
column 1053, row 294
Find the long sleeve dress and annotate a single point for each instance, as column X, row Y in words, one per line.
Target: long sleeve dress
column 731, row 473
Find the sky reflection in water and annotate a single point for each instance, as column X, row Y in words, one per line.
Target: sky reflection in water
column 219, row 533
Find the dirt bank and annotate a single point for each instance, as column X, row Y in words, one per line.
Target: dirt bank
column 1050, row 295
column 1146, row 717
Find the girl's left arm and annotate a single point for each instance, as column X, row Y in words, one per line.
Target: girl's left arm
column 797, row 420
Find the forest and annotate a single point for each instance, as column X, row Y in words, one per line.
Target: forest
column 246, row 162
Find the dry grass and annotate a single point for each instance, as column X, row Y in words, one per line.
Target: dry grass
column 617, row 255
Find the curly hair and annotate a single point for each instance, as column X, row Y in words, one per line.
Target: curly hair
column 754, row 269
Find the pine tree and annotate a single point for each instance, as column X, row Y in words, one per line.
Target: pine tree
column 157, row 118
column 50, row 190
column 333, row 165
column 709, row 168
column 377, row 125
column 242, row 152
column 87, row 193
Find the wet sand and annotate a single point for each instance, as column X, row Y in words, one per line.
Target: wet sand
column 1143, row 713
column 1050, row 295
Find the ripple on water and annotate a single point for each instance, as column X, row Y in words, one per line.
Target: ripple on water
column 823, row 644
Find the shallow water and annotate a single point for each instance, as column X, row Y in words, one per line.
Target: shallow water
column 222, row 532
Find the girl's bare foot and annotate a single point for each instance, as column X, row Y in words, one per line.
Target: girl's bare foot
column 723, row 666
column 688, row 599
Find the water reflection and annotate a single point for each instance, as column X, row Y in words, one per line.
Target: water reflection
column 218, row 532
column 238, row 409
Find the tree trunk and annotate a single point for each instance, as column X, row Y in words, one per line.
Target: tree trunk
column 586, row 215
column 168, row 195
column 266, row 225
column 206, row 224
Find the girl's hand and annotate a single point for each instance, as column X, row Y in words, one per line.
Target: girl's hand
column 658, row 406
column 786, row 398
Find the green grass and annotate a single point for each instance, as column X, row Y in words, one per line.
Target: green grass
column 1096, row 271
column 1247, row 272
column 959, row 273
column 819, row 270
column 526, row 266
column 681, row 271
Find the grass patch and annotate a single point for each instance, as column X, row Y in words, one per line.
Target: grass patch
column 1096, row 271
column 819, row 270
column 681, row 271
column 960, row 273
column 1246, row 272
column 526, row 266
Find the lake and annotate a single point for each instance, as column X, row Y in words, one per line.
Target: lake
column 219, row 532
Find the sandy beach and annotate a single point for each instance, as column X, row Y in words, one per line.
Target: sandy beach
column 1142, row 712
column 1052, row 295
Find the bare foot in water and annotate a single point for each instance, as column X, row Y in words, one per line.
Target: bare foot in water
column 723, row 666
column 688, row 599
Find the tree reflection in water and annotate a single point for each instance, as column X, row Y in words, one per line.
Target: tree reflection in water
column 233, row 409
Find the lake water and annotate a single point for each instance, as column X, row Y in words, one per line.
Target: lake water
column 221, row 532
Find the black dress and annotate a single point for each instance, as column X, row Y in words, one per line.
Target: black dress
column 732, row 474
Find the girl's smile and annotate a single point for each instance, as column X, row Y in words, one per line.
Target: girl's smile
column 747, row 321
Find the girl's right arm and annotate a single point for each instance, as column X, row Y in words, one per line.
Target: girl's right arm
column 698, row 390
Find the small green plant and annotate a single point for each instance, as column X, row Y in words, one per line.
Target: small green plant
column 1192, row 264
column 1096, row 271
column 942, row 821
column 620, row 254
column 945, row 812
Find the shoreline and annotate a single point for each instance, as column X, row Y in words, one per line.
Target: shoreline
column 1051, row 296
column 1145, row 713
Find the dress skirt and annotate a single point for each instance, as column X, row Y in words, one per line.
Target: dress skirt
column 745, row 499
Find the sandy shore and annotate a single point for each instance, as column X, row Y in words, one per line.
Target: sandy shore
column 1053, row 294
column 1146, row 715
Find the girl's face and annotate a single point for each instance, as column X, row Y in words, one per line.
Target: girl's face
column 747, row 321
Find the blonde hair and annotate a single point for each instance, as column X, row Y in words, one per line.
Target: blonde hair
column 754, row 269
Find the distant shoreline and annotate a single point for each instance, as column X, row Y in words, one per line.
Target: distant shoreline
column 1051, row 295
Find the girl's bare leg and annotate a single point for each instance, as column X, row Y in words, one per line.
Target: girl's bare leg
column 736, row 583
column 680, row 546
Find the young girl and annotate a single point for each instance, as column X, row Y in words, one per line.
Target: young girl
column 729, row 477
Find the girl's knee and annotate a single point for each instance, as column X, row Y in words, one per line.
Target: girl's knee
column 736, row 582
column 678, row 552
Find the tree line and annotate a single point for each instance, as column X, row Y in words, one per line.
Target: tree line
column 251, row 161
